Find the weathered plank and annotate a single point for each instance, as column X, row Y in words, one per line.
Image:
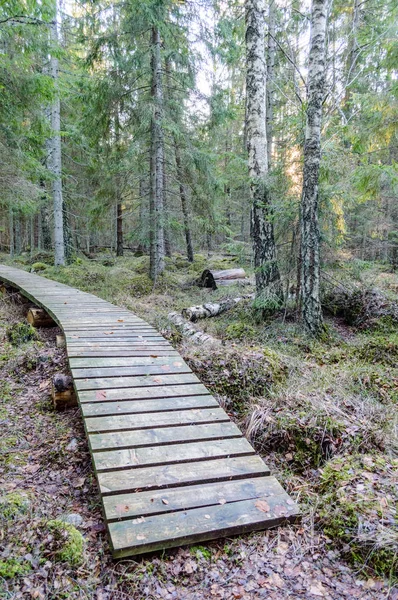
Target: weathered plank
column 160, row 419
column 119, row 361
column 183, row 473
column 98, row 409
column 143, row 504
column 193, row 389
column 163, row 435
column 106, row 383
column 173, row 454
column 118, row 372
column 138, row 536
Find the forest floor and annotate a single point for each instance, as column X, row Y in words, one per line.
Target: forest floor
column 322, row 413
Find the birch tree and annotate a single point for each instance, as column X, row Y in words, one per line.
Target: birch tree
column 157, row 250
column 55, row 151
column 310, row 236
column 268, row 282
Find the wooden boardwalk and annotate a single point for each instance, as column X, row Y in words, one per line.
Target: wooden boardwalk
column 171, row 466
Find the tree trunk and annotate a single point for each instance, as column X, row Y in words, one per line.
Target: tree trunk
column 18, row 234
column 310, row 235
column 119, row 207
column 268, row 281
column 11, row 231
column 166, row 233
column 157, row 190
column 68, row 241
column 270, row 79
column 56, row 160
column 184, row 204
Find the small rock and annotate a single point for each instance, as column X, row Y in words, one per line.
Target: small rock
column 73, row 519
column 72, row 446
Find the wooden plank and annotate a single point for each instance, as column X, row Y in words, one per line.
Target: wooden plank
column 172, row 454
column 106, row 383
column 117, row 361
column 97, row 409
column 194, row 389
column 113, row 353
column 127, row 407
column 129, row 371
column 138, row 536
column 142, row 504
column 165, row 435
column 161, row 419
column 142, row 478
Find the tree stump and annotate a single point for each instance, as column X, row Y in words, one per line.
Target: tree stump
column 63, row 393
column 38, row 317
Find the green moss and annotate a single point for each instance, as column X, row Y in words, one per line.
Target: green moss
column 12, row 567
column 380, row 348
column 69, row 542
column 19, row 333
column 239, row 330
column 39, row 266
column 357, row 510
column 13, row 504
column 239, row 375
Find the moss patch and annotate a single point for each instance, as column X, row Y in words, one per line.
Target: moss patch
column 67, row 542
column 238, row 374
column 19, row 333
column 358, row 510
column 13, row 504
column 12, row 567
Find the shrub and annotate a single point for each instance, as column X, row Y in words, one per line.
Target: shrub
column 19, row 333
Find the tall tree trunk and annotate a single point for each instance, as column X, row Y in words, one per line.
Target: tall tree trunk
column 184, row 203
column 56, row 160
column 156, row 172
column 270, row 79
column 166, row 232
column 119, row 207
column 352, row 57
column 310, row 235
column 268, row 279
column 11, row 231
column 68, row 240
column 18, row 234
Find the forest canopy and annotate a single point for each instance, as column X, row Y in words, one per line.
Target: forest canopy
column 164, row 126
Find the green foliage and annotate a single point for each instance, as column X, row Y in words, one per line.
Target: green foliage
column 358, row 513
column 68, row 542
column 39, row 266
column 12, row 567
column 20, row 333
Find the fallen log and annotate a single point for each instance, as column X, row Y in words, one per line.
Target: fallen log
column 188, row 330
column 63, row 393
column 39, row 318
column 211, row 309
column 211, row 279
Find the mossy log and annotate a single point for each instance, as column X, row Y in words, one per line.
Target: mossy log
column 39, row 318
column 213, row 279
column 63, row 393
column 211, row 309
column 188, row 330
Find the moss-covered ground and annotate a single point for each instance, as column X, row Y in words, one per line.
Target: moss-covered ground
column 322, row 413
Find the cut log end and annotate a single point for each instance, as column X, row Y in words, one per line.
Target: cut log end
column 212, row 279
column 60, row 341
column 63, row 393
column 38, row 317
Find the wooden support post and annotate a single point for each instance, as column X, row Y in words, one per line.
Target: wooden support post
column 63, row 393
column 60, row 341
column 39, row 318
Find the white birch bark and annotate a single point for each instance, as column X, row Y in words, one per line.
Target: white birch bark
column 157, row 263
column 55, row 151
column 262, row 230
column 310, row 235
